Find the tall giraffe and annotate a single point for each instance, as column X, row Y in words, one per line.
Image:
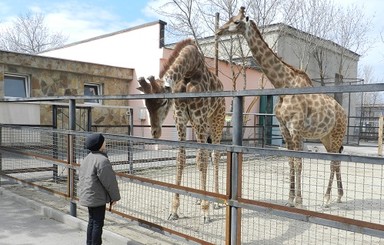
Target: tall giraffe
column 311, row 116
column 186, row 72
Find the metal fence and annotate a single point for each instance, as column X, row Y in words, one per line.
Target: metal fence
column 254, row 186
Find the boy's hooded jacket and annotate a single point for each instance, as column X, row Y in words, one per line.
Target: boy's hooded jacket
column 97, row 181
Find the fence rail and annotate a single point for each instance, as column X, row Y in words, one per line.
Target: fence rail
column 253, row 182
column 147, row 182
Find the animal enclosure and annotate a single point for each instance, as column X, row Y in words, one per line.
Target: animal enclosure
column 254, row 186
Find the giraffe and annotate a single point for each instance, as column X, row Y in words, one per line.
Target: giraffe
column 310, row 116
column 186, row 71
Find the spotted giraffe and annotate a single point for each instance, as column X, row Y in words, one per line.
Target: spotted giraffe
column 186, row 72
column 311, row 116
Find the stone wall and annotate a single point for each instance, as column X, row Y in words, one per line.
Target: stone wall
column 58, row 77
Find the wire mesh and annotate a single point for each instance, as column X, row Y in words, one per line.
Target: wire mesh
column 147, row 176
column 266, row 179
column 146, row 201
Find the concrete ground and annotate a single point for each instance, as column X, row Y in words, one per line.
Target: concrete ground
column 24, row 221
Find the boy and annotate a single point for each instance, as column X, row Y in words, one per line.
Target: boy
column 97, row 186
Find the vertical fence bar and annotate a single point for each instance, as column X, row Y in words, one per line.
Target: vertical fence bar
column 1, row 156
column 89, row 119
column 380, row 138
column 71, row 158
column 217, row 20
column 237, row 139
column 55, row 147
column 130, row 147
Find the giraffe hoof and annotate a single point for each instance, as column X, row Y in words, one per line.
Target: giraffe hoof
column 298, row 202
column 173, row 216
column 298, row 205
column 290, row 203
column 206, row 219
column 327, row 201
column 216, row 205
column 339, row 200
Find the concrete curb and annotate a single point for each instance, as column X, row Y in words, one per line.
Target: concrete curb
column 108, row 236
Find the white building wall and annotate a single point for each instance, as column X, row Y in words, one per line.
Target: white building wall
column 19, row 113
column 137, row 48
column 292, row 49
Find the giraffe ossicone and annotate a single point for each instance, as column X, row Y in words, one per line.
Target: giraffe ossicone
column 168, row 82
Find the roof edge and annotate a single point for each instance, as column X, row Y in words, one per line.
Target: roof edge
column 107, row 35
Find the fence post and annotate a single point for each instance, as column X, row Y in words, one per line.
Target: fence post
column 380, row 138
column 89, row 119
column 130, row 147
column 71, row 156
column 1, row 155
column 236, row 172
column 55, row 147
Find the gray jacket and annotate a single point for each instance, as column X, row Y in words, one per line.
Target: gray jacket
column 97, row 181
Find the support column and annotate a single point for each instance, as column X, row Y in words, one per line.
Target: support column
column 71, row 156
column 55, row 147
column 380, row 138
column 236, row 172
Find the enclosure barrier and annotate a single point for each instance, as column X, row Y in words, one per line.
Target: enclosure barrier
column 254, row 185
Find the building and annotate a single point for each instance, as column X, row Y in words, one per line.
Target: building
column 142, row 50
column 24, row 75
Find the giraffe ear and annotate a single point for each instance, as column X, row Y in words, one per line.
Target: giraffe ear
column 151, row 78
column 145, row 87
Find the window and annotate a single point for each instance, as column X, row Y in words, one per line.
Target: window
column 16, row 86
column 92, row 90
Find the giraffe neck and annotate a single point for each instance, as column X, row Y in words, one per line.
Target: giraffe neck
column 280, row 74
column 185, row 65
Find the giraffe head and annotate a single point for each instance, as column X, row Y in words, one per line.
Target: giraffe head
column 236, row 25
column 158, row 108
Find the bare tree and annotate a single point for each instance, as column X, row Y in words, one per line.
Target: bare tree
column 184, row 19
column 351, row 32
column 312, row 19
column 29, row 34
column 371, row 98
column 321, row 20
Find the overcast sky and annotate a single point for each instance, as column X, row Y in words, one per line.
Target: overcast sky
column 89, row 18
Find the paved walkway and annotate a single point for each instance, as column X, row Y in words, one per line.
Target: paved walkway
column 23, row 221
column 27, row 222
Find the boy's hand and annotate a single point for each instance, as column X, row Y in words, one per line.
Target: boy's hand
column 111, row 204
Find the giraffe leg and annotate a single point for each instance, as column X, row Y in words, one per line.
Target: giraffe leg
column 298, row 170
column 340, row 192
column 292, row 183
column 216, row 159
column 335, row 169
column 336, row 166
column 180, row 161
column 202, row 163
column 327, row 195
